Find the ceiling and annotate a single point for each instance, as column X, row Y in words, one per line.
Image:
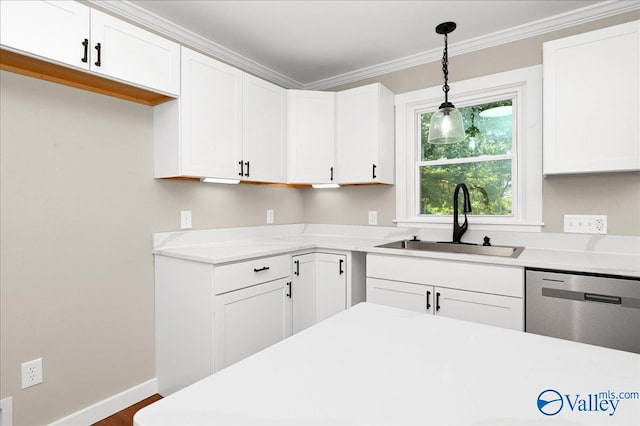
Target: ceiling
column 319, row 44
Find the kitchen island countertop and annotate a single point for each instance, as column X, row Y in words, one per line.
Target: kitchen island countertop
column 374, row 364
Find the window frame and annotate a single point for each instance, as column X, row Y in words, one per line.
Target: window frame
column 524, row 86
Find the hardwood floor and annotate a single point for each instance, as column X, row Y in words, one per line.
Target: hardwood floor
column 125, row 417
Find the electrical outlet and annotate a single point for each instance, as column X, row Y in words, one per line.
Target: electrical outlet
column 185, row 219
column 373, row 217
column 31, row 373
column 269, row 216
column 585, row 224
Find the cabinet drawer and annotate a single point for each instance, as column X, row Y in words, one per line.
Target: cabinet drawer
column 245, row 274
column 496, row 279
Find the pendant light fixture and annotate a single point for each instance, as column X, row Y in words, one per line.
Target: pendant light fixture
column 446, row 123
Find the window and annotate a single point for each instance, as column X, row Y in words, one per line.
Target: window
column 499, row 161
column 484, row 161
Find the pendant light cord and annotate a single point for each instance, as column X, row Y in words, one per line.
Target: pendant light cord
column 445, row 70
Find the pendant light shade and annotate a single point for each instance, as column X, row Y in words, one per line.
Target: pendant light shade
column 446, row 124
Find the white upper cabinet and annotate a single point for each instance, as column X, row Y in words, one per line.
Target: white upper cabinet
column 592, row 101
column 264, row 107
column 200, row 134
column 75, row 35
column 227, row 124
column 56, row 31
column 365, row 135
column 129, row 53
column 311, row 136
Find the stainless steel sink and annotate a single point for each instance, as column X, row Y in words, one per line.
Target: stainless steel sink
column 502, row 251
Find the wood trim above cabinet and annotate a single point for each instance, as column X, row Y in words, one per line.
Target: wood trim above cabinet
column 33, row 67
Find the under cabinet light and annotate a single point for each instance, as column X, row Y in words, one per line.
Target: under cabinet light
column 325, row 185
column 219, row 180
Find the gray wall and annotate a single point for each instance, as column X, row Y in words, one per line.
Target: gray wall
column 616, row 195
column 78, row 206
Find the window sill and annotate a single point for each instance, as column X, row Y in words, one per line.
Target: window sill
column 479, row 226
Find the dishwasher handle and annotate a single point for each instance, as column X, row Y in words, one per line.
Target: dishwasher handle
column 602, row 298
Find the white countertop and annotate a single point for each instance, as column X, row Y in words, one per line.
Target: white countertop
column 374, row 364
column 259, row 244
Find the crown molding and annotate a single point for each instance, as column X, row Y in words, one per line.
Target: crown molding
column 153, row 22
column 531, row 29
column 187, row 38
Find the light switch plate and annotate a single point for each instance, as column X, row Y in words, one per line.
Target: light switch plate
column 269, row 216
column 185, row 219
column 373, row 217
column 585, row 224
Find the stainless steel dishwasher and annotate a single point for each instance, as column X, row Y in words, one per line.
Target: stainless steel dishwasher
column 595, row 309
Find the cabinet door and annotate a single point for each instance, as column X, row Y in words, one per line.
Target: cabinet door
column 357, row 134
column 211, row 117
column 592, row 101
column 303, row 292
column 311, row 136
column 133, row 55
column 249, row 320
column 51, row 30
column 263, row 132
column 331, row 285
column 364, row 135
column 414, row 297
column 490, row 309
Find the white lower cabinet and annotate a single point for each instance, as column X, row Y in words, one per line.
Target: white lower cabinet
column 319, row 288
column 486, row 294
column 331, row 285
column 303, row 292
column 211, row 316
column 249, row 320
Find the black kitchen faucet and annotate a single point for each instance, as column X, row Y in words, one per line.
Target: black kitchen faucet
column 458, row 231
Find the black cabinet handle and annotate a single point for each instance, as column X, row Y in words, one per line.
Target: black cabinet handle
column 264, row 268
column 437, row 301
column 241, row 168
column 331, row 169
column 374, row 171
column 289, row 294
column 247, row 164
column 99, row 49
column 297, row 271
column 428, row 300
column 340, row 268
column 85, row 43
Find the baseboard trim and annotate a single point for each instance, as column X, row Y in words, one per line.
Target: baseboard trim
column 109, row 406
